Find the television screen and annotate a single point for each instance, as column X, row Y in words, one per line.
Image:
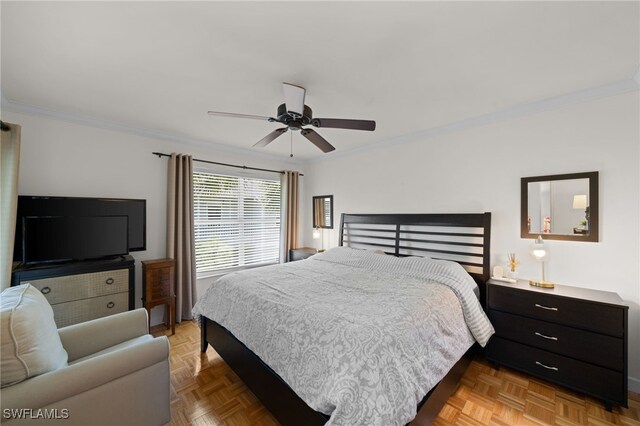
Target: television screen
column 53, row 239
column 44, row 206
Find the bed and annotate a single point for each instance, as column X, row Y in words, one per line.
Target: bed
column 341, row 327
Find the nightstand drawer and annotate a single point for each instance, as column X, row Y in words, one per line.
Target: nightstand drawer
column 588, row 378
column 562, row 310
column 595, row 348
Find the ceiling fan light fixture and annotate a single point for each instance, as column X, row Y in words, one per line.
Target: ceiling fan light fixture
column 284, row 117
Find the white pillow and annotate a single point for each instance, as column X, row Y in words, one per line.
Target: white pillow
column 30, row 341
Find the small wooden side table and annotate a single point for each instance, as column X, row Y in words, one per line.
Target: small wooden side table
column 157, row 288
column 301, row 253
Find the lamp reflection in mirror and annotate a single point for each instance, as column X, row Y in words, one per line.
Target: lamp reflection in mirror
column 580, row 203
column 539, row 251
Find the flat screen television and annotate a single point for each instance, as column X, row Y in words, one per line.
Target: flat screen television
column 64, row 238
column 73, row 208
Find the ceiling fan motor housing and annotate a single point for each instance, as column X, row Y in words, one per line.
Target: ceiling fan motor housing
column 294, row 122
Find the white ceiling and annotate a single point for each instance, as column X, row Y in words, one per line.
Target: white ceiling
column 410, row 66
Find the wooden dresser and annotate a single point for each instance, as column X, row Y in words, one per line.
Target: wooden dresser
column 158, row 288
column 567, row 335
column 82, row 291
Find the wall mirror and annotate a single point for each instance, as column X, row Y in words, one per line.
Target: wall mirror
column 560, row 207
column 323, row 211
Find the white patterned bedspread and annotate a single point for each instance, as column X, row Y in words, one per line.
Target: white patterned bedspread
column 357, row 335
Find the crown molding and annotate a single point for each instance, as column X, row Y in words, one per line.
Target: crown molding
column 516, row 111
column 85, row 120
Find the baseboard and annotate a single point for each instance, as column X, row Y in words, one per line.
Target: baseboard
column 634, row 384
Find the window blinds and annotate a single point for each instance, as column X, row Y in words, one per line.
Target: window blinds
column 236, row 221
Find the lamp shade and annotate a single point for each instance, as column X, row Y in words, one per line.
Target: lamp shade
column 316, row 234
column 538, row 250
column 580, row 202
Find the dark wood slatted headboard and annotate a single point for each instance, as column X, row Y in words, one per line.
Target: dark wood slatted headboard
column 461, row 237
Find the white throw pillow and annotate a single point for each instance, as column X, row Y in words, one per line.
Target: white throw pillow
column 30, row 341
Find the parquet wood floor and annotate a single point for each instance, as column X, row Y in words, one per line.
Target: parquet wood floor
column 205, row 391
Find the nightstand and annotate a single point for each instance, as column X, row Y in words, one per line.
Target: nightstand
column 571, row 336
column 301, row 253
column 157, row 288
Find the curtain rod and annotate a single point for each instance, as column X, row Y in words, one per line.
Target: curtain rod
column 160, row 155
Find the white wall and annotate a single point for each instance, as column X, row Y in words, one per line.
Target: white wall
column 60, row 158
column 479, row 169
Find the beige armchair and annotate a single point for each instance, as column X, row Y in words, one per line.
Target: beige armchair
column 117, row 374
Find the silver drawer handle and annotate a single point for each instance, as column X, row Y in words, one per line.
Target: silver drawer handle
column 546, row 366
column 45, row 290
column 545, row 336
column 110, row 305
column 546, row 307
column 109, row 281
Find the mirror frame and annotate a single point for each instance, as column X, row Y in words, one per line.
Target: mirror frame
column 313, row 212
column 594, row 217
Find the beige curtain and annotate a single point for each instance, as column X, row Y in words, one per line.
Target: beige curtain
column 180, row 238
column 9, row 163
column 290, row 191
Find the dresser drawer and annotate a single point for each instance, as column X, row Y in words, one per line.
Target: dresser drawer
column 158, row 283
column 606, row 351
column 591, row 379
column 84, row 310
column 562, row 310
column 82, row 286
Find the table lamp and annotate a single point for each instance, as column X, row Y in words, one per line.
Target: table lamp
column 318, row 236
column 540, row 253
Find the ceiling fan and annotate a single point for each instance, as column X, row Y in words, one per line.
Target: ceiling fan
column 294, row 114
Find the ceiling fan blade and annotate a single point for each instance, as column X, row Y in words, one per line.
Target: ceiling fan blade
column 294, row 98
column 317, row 140
column 340, row 123
column 234, row 115
column 270, row 138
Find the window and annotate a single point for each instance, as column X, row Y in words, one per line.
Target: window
column 236, row 221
